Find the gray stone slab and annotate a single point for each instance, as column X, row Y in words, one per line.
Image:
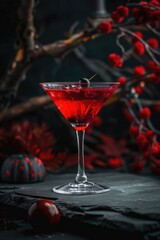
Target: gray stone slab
column 132, row 204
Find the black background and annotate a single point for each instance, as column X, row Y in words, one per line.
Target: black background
column 53, row 20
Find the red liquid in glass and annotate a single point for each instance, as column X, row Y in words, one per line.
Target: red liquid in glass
column 80, row 105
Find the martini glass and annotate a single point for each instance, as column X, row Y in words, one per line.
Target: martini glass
column 79, row 103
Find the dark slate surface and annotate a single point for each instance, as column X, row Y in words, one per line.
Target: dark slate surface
column 131, row 206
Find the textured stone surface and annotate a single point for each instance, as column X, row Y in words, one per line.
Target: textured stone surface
column 132, row 205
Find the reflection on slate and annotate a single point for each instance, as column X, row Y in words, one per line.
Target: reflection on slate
column 132, row 204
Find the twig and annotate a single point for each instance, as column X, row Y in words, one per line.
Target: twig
column 119, row 36
column 152, row 7
column 153, row 29
column 96, row 65
column 146, row 102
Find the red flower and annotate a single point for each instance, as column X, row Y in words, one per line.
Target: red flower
column 145, row 113
column 153, row 43
column 115, row 60
column 27, row 138
column 122, row 11
column 116, row 17
column 142, row 142
column 139, row 70
column 134, row 131
column 121, row 80
column 139, row 48
column 105, row 27
column 114, row 163
column 139, row 35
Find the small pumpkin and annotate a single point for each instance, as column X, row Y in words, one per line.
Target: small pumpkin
column 22, row 168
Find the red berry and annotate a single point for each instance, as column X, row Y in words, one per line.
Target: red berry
column 151, row 66
column 155, row 150
column 153, row 43
column 149, row 135
column 138, row 90
column 115, row 60
column 139, row 70
column 138, row 166
column 147, row 155
column 142, row 142
column 154, row 78
column 44, row 215
column 139, row 48
column 138, row 34
column 121, row 80
column 116, row 17
column 137, row 14
column 105, row 27
column 156, row 17
column 134, row 131
column 114, row 163
column 155, row 2
column 145, row 113
column 143, row 3
column 122, row 11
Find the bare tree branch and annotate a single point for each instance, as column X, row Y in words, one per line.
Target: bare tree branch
column 37, row 103
column 32, row 104
column 26, row 43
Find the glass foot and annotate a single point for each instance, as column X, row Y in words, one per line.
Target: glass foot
column 81, row 188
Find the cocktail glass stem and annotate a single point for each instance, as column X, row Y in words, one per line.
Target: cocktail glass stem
column 81, row 176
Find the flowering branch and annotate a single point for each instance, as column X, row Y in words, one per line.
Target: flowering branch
column 29, row 50
column 147, row 47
